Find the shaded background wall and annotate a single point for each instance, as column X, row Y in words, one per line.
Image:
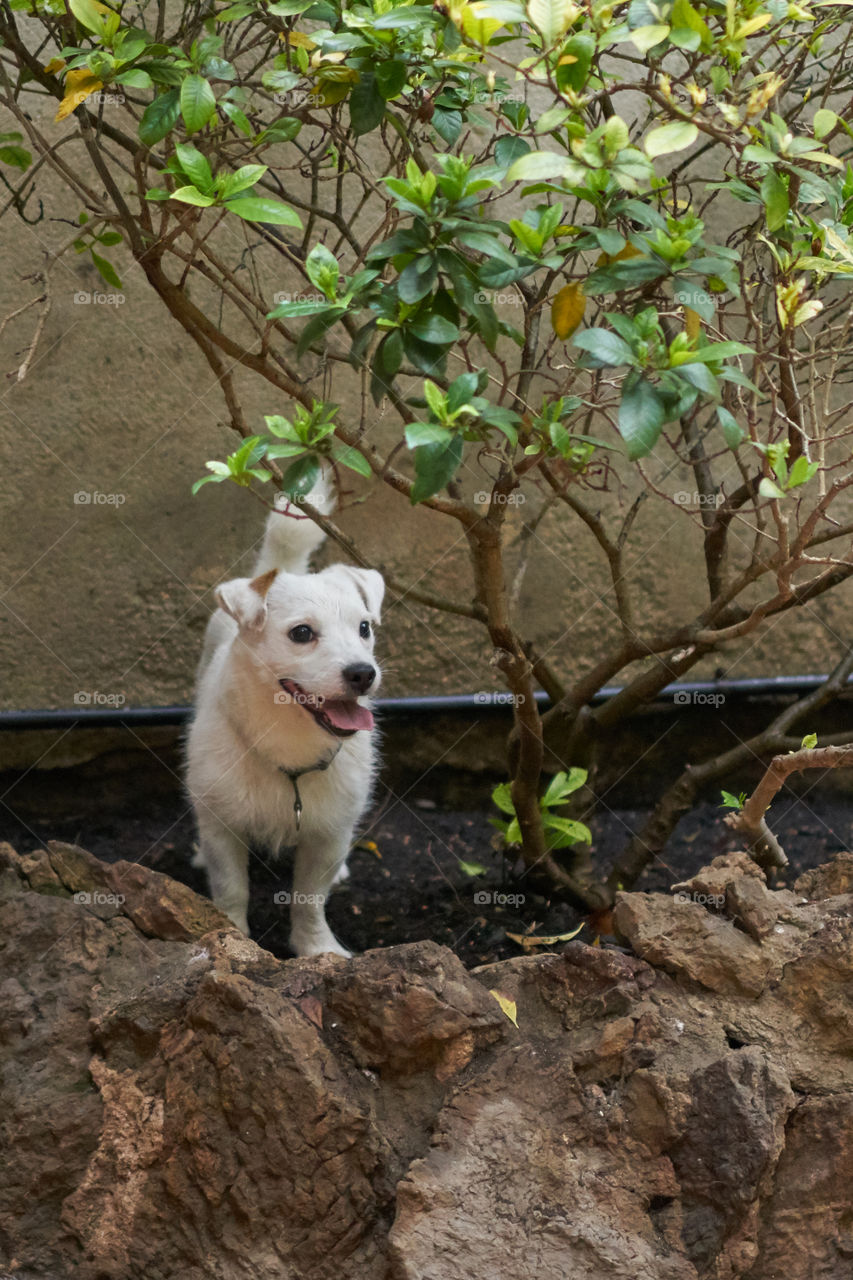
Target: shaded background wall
column 108, row 563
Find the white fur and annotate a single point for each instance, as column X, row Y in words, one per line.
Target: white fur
column 246, row 730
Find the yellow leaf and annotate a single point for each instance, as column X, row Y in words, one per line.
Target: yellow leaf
column 509, row 1006
column 605, row 259
column 300, row 40
column 476, row 25
column 567, row 310
column 752, row 25
column 55, row 64
column 692, row 322
column 78, row 86
column 528, row 941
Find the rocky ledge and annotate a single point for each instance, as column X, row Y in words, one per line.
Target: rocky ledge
column 177, row 1103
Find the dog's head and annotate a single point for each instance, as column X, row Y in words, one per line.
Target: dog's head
column 310, row 639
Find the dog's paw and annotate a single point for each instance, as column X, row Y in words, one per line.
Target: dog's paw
column 315, row 943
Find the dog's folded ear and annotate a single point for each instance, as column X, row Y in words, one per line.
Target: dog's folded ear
column 370, row 586
column 245, row 599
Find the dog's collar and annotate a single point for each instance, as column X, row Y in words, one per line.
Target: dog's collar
column 295, row 774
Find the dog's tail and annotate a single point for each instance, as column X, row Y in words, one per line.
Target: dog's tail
column 291, row 537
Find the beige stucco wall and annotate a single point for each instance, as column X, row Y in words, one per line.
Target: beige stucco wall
column 112, row 596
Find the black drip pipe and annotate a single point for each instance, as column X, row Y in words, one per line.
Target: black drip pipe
column 471, row 703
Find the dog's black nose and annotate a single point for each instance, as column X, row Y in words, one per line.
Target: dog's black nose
column 359, row 677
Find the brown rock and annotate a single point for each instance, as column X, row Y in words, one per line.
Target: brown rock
column 751, row 905
column 199, row 1110
column 733, row 1134
column 404, row 1010
column 833, row 878
column 685, row 939
column 807, row 1229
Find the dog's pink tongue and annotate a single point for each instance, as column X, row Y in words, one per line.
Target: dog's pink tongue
column 348, row 714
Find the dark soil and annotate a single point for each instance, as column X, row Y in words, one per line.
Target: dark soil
column 406, row 882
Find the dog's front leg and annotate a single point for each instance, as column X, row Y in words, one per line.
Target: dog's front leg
column 319, row 859
column 226, row 858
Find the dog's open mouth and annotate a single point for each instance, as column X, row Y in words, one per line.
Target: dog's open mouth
column 341, row 717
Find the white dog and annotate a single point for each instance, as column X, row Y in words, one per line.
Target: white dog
column 281, row 752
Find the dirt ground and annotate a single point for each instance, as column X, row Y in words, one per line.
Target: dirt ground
column 406, row 879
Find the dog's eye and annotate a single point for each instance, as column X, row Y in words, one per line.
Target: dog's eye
column 364, row 631
column 302, row 634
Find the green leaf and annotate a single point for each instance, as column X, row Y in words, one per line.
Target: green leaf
column 768, row 488
column 323, row 270
column 434, row 329
column 510, row 148
column 801, row 472
column 106, row 269
column 607, row 347
column 300, row 477
column 536, row 166
column 668, row 138
column 471, row 868
column 645, row 38
column 18, row 157
column 435, row 466
column 195, row 166
column 562, row 832
column 264, row 209
column 563, row 785
column 391, row 78
column 700, row 377
column 774, row 194
column 713, row 352
column 824, row 122
column 366, row 106
column 421, row 433
column 405, row 18
column 730, row 801
column 88, row 15
column 244, row 177
column 350, row 457
column 502, row 797
column 809, row 742
column 160, row 117
column 198, row 102
column 237, row 117
column 732, row 433
column 134, row 78
column 641, row 417
column 573, row 75
column 190, row 195
column 551, row 18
